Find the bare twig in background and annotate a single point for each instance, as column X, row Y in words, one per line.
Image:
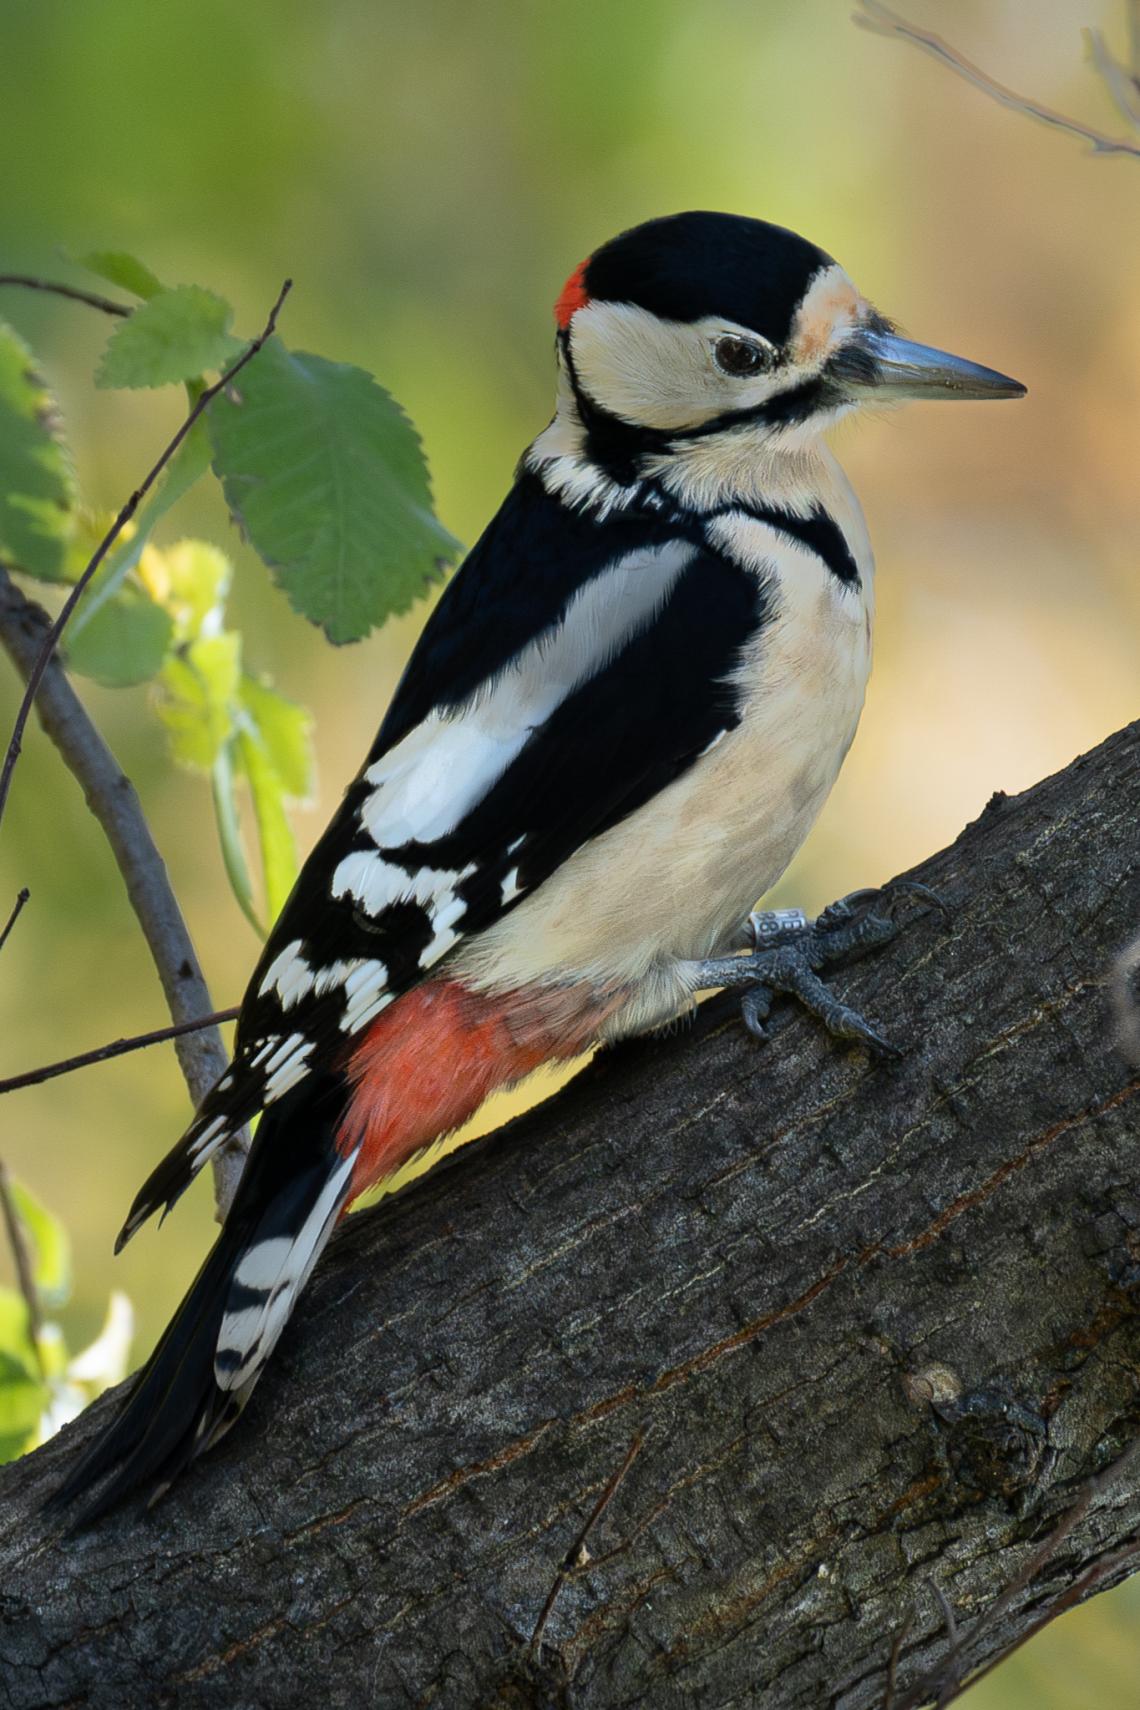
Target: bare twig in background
column 935, row 1681
column 111, row 798
column 1122, row 84
column 880, row 19
column 1081, row 1588
column 17, row 909
column 91, row 298
column 117, row 1048
column 51, row 639
column 897, row 1644
column 25, row 1275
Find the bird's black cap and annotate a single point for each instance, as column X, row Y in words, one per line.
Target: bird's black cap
column 686, row 266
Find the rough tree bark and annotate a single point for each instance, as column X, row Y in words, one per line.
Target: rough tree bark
column 876, row 1323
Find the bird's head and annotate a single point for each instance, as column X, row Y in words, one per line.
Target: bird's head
column 702, row 323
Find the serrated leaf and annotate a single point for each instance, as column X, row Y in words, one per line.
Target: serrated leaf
column 119, row 268
column 190, row 580
column 198, row 690
column 326, row 476
column 286, row 731
column 51, row 1242
column 124, row 642
column 37, row 485
column 177, row 335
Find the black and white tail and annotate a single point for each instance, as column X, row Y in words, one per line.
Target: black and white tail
column 204, row 1369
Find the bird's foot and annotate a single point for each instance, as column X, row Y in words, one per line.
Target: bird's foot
column 788, row 951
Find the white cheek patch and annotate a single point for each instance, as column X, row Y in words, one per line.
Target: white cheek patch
column 658, row 373
column 428, row 783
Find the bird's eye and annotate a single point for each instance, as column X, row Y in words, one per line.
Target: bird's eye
column 739, row 357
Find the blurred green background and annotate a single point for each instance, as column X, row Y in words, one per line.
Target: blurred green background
column 428, row 175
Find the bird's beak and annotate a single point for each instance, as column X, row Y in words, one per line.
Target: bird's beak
column 881, row 365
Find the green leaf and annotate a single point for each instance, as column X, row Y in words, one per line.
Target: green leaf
column 190, row 580
column 37, row 485
column 274, row 833
column 326, row 476
column 229, row 832
column 124, row 642
column 198, row 691
column 22, row 1400
column 15, row 1332
column 52, row 1244
column 177, row 335
column 286, row 731
column 119, row 268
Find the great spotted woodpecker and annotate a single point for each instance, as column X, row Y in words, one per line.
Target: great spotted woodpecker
column 615, row 731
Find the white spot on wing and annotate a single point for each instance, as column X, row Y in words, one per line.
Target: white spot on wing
column 511, row 887
column 377, row 883
column 287, row 1066
column 214, row 1131
column 289, row 973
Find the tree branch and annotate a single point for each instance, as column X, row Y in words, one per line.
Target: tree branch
column 112, row 799
column 75, row 593
column 879, row 1328
column 117, row 1048
column 882, row 21
column 22, row 897
column 91, row 298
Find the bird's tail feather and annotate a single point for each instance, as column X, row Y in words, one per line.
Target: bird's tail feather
column 205, row 1367
column 211, row 1129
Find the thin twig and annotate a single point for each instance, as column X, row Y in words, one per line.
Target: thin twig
column 51, row 640
column 1094, row 1487
column 25, row 1271
column 91, row 298
column 1123, row 85
column 882, row 21
column 117, row 1048
column 1067, row 1600
column 577, row 1555
column 111, row 798
column 953, row 1663
column 17, row 909
column 897, row 1644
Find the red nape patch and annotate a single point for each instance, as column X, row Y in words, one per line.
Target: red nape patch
column 574, row 295
column 430, row 1059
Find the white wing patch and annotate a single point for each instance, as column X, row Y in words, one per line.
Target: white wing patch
column 428, row 783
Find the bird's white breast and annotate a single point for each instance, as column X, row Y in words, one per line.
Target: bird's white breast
column 675, row 879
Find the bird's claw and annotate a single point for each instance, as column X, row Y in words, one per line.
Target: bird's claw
column 787, row 952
